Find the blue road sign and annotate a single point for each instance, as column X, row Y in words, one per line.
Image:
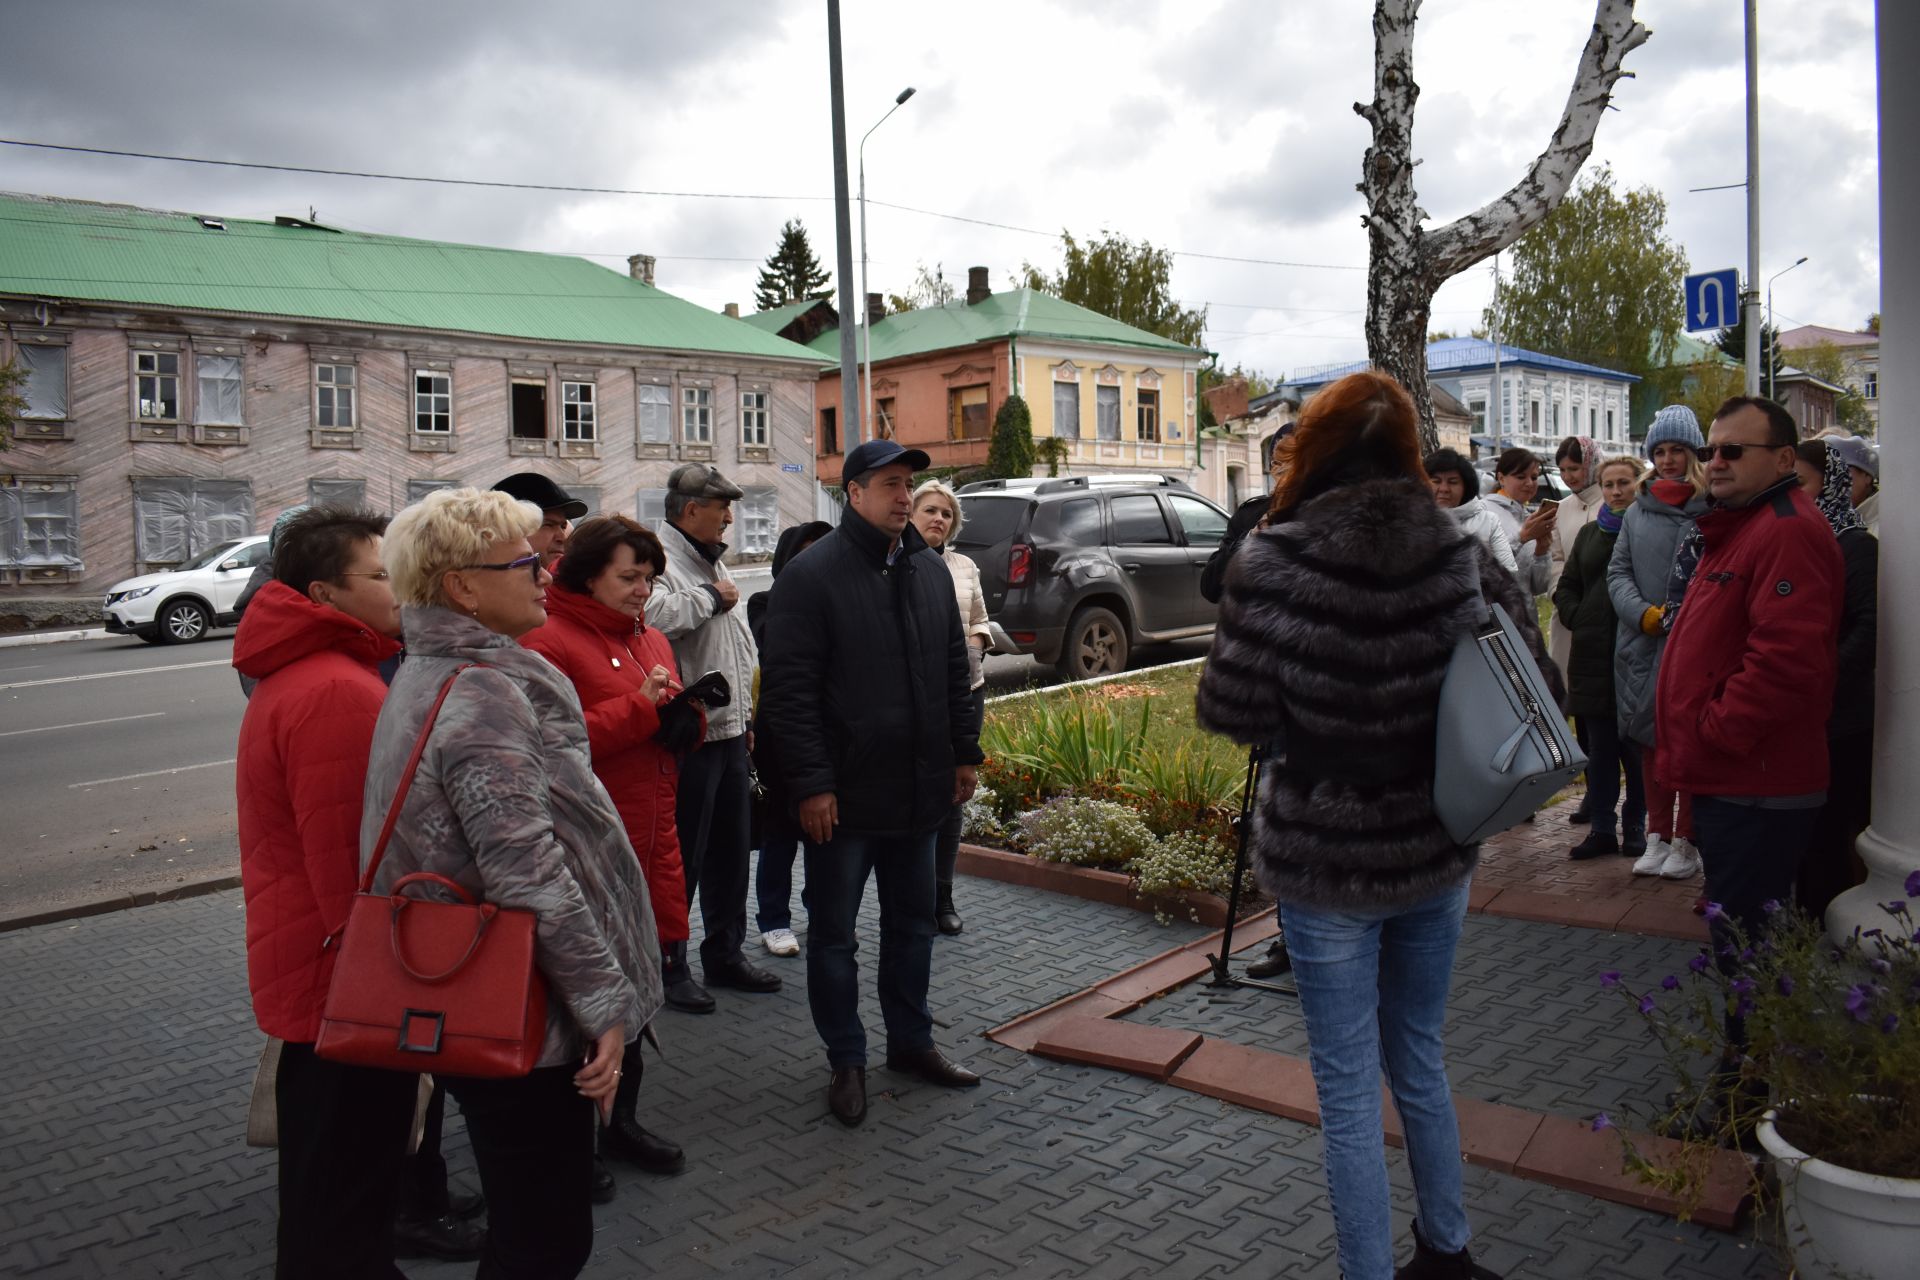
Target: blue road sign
column 1713, row 300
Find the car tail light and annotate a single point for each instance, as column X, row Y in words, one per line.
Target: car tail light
column 1024, row 637
column 1019, row 564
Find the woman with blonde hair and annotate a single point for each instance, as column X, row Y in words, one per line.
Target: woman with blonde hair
column 1335, row 633
column 505, row 804
column 937, row 515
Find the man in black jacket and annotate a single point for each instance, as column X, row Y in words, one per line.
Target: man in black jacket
column 865, row 696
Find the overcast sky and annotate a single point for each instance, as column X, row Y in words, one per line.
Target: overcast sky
column 1221, row 127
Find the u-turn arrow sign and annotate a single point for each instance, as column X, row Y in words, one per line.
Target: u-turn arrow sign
column 1713, row 300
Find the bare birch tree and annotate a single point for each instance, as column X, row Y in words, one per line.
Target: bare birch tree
column 1407, row 262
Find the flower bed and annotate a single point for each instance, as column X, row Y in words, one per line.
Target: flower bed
column 1117, row 776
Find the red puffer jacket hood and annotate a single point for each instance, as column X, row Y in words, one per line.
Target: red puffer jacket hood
column 281, row 626
column 304, row 744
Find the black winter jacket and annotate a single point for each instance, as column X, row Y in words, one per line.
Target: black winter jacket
column 863, row 686
column 1859, row 636
column 1584, row 606
column 1337, row 626
column 1213, row 578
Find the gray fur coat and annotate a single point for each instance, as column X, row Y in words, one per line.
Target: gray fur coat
column 1335, row 631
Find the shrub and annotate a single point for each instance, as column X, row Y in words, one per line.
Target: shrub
column 980, row 818
column 1010, row 455
column 1087, row 833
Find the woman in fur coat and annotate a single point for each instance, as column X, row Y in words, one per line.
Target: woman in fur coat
column 1336, row 629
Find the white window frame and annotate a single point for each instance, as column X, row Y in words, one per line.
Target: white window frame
column 147, row 365
column 755, row 410
column 578, row 415
column 333, row 384
column 696, row 415
column 1870, row 384
column 427, row 404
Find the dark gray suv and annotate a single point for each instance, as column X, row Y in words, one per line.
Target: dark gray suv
column 1078, row 571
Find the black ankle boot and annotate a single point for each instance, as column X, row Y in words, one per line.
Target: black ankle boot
column 676, row 978
column 1597, row 844
column 623, row 1138
column 944, row 915
column 1430, row 1264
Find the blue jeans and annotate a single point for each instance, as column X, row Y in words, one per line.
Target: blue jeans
column 773, row 878
column 837, row 874
column 1373, row 986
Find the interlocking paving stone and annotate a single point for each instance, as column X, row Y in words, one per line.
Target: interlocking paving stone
column 131, row 1047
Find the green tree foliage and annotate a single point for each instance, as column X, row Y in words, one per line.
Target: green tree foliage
column 1597, row 281
column 1873, row 323
column 792, row 273
column 1825, row 361
column 1010, row 456
column 930, row 289
column 1258, row 384
column 1126, row 280
column 1733, row 341
column 1704, row 387
column 12, row 403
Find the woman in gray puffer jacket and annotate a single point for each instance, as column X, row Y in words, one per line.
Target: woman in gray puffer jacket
column 1639, row 582
column 505, row 804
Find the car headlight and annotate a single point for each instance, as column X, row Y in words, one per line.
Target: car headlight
column 137, row 592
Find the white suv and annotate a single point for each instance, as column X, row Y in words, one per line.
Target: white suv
column 184, row 604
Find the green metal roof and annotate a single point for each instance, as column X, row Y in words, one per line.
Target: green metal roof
column 1688, row 349
column 1017, row 313
column 780, row 317
column 81, row 250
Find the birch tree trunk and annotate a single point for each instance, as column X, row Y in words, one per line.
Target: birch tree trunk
column 1407, row 262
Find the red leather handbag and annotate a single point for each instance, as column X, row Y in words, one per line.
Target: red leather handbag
column 449, row 988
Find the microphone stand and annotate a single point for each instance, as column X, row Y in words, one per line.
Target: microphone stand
column 1222, row 975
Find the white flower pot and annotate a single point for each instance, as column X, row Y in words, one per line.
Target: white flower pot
column 1842, row 1224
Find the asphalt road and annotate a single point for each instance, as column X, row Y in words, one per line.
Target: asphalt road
column 118, row 762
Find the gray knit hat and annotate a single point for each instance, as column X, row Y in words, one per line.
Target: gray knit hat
column 1673, row 423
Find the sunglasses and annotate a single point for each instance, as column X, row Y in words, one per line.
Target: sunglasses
column 530, row 563
column 1731, row 452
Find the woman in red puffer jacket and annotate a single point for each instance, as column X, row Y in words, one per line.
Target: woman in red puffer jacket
column 624, row 672
column 314, row 637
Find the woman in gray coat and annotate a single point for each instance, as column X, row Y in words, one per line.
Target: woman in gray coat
column 1673, row 495
column 505, row 804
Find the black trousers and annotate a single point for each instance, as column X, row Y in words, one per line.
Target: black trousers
column 712, row 811
column 533, row 1141
column 1751, row 856
column 343, row 1136
column 1831, row 866
column 423, row 1184
column 946, row 848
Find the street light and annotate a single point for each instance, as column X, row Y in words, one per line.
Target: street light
column 866, row 338
column 1766, row 337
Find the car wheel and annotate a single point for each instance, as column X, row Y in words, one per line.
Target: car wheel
column 183, row 622
column 1096, row 645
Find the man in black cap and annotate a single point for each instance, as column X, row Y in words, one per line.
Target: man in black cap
column 558, row 510
column 694, row 605
column 865, row 696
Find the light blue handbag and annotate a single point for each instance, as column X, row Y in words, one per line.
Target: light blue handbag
column 1501, row 746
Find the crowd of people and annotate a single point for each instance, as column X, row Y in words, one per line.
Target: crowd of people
column 616, row 736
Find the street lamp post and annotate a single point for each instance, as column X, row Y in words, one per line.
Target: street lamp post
column 1766, row 336
column 866, row 324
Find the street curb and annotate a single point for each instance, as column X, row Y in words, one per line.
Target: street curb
column 118, row 902
column 51, row 637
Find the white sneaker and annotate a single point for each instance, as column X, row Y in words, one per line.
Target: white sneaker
column 1650, row 862
column 1683, row 861
column 781, row 942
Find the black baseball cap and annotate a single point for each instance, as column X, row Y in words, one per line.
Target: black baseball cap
column 880, row 453
column 531, row 486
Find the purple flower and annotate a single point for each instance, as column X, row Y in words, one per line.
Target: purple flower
column 1786, row 984
column 1669, row 983
column 1894, row 908
column 1913, row 884
column 1602, row 1121
column 1890, row 1023
column 1858, row 997
column 1879, row 965
column 1746, row 955
column 1741, row 986
column 1610, row 979
column 1646, row 1004
column 1699, row 963
column 1771, row 906
column 1715, row 911
column 1872, row 933
column 1745, row 1008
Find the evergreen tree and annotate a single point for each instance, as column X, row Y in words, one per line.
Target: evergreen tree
column 1010, row 456
column 792, row 272
column 1733, row 341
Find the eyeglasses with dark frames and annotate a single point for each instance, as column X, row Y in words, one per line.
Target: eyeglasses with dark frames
column 531, row 563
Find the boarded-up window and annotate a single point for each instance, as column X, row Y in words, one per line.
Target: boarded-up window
column 656, row 413
column 1066, row 410
column 967, row 413
column 337, row 493
column 759, row 520
column 218, row 392
column 650, row 509
column 418, row 489
column 587, row 493
column 177, row 517
column 1106, row 412
column 39, row 523
column 46, row 386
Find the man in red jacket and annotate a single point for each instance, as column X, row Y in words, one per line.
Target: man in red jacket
column 1746, row 683
column 314, row 637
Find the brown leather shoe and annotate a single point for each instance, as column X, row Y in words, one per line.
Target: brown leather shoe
column 847, row 1095
column 932, row 1066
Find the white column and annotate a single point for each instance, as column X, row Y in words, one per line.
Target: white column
column 1891, row 846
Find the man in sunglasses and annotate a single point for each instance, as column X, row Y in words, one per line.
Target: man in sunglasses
column 558, row 510
column 1747, row 681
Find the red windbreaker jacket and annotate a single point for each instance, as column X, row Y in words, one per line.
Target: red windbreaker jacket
column 304, row 743
column 607, row 656
column 1746, row 684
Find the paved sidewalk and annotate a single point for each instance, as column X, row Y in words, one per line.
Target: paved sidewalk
column 131, row 1047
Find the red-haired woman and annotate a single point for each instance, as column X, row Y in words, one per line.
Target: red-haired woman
column 624, row 673
column 1334, row 635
